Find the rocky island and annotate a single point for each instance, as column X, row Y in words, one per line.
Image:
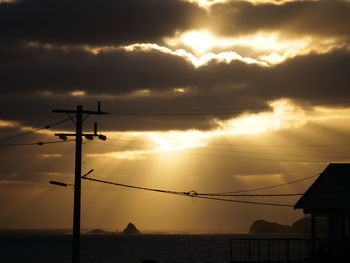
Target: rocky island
column 131, row 229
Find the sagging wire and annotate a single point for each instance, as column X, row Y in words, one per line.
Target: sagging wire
column 192, row 194
column 34, row 130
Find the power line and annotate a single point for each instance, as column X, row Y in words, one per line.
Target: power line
column 279, row 154
column 171, row 114
column 265, row 187
column 261, row 145
column 253, row 158
column 214, row 111
column 254, row 195
column 272, row 195
column 185, row 111
column 245, row 202
column 247, row 157
column 191, row 194
column 283, row 145
column 34, row 143
column 34, row 130
column 250, row 152
column 136, row 187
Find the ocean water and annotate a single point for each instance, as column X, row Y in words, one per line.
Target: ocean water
column 50, row 248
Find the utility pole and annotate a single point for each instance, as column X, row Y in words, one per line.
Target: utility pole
column 79, row 113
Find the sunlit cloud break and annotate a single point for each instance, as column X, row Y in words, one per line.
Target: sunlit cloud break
column 264, row 47
column 202, row 47
column 203, row 60
column 202, row 41
column 208, row 3
column 285, row 115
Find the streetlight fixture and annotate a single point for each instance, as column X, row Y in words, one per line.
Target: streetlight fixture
column 60, row 184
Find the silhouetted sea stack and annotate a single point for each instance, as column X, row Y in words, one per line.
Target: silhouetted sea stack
column 131, row 229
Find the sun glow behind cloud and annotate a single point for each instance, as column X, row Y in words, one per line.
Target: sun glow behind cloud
column 265, row 48
column 177, row 140
column 199, row 61
column 202, row 41
column 285, row 115
column 205, row 3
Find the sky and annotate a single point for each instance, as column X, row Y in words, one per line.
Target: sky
column 206, row 96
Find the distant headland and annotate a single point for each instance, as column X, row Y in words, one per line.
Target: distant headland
column 263, row 227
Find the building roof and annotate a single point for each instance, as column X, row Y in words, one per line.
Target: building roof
column 330, row 191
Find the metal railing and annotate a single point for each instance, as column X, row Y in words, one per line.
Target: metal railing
column 272, row 250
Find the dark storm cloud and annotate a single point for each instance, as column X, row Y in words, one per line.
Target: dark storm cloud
column 102, row 22
column 314, row 77
column 317, row 78
column 119, row 72
column 109, row 22
column 238, row 86
column 25, row 70
column 320, row 18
